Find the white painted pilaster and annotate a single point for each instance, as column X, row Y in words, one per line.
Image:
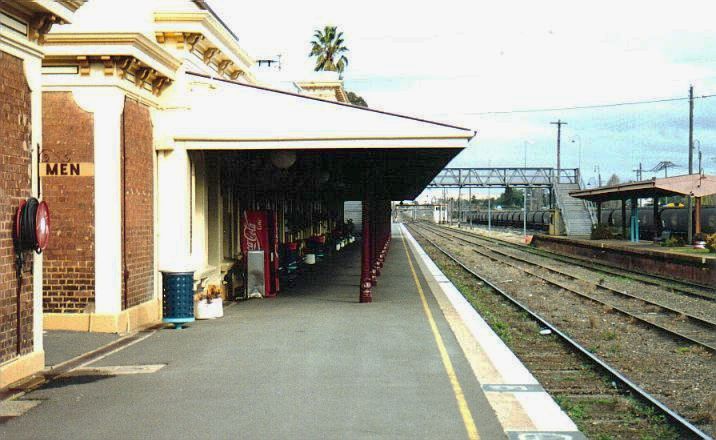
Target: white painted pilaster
column 200, row 226
column 33, row 76
column 106, row 104
column 215, row 220
column 174, row 201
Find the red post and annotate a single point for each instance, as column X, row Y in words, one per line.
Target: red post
column 379, row 238
column 385, row 237
column 365, row 283
column 373, row 242
column 382, row 238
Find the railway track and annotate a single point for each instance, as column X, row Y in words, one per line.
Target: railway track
column 677, row 322
column 683, row 287
column 553, row 371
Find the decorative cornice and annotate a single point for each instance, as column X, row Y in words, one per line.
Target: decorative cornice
column 204, row 20
column 72, row 5
column 123, row 67
column 211, row 56
column 62, row 9
column 337, row 87
column 41, row 25
column 115, row 45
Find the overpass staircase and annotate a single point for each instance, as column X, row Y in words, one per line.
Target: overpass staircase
column 577, row 215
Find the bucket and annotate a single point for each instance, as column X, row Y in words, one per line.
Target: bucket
column 217, row 305
column 203, row 310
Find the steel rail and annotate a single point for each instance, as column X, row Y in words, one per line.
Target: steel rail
column 676, row 285
column 701, row 321
column 613, row 372
column 634, row 315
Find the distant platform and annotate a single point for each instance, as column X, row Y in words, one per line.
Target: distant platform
column 680, row 263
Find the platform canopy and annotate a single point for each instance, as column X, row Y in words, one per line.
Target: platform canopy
column 696, row 185
column 399, row 154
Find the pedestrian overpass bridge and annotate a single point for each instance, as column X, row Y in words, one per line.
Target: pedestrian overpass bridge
column 504, row 177
column 577, row 216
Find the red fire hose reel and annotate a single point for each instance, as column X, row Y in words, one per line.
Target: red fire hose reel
column 32, row 226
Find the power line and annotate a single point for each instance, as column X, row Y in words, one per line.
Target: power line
column 586, row 107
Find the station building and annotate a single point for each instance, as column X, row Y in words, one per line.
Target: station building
column 152, row 135
column 23, row 26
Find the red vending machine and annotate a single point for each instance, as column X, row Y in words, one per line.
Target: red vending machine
column 260, row 233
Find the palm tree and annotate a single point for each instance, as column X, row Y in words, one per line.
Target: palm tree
column 328, row 47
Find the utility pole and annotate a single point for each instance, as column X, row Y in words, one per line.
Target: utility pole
column 559, row 125
column 691, row 163
column 639, row 172
column 469, row 212
column 489, row 202
column 489, row 210
column 524, row 203
column 459, row 205
column 691, row 130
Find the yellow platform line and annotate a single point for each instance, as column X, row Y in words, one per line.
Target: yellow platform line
column 447, row 363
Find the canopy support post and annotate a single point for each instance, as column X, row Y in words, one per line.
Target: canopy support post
column 373, row 241
column 365, row 284
column 634, row 220
column 697, row 216
column 624, row 219
column 657, row 219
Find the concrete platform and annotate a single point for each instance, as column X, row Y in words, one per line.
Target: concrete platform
column 697, row 267
column 312, row 363
column 61, row 346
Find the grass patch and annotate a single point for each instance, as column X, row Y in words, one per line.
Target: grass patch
column 609, row 335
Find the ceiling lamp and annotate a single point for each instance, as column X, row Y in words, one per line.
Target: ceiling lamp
column 324, row 177
column 283, row 159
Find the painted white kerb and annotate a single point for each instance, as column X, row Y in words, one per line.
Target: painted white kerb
column 545, row 414
column 107, row 105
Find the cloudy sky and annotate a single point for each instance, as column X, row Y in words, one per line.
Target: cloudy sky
column 457, row 61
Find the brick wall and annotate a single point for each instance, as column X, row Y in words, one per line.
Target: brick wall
column 138, row 249
column 15, row 185
column 68, row 135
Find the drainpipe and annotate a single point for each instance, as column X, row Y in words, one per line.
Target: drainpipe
column 125, row 272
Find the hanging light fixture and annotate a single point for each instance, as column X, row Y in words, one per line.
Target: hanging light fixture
column 324, row 177
column 283, row 159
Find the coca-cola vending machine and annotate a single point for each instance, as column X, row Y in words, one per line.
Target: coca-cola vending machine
column 259, row 232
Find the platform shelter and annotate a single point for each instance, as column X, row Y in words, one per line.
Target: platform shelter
column 689, row 185
column 233, row 147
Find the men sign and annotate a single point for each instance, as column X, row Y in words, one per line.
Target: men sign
column 68, row 169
